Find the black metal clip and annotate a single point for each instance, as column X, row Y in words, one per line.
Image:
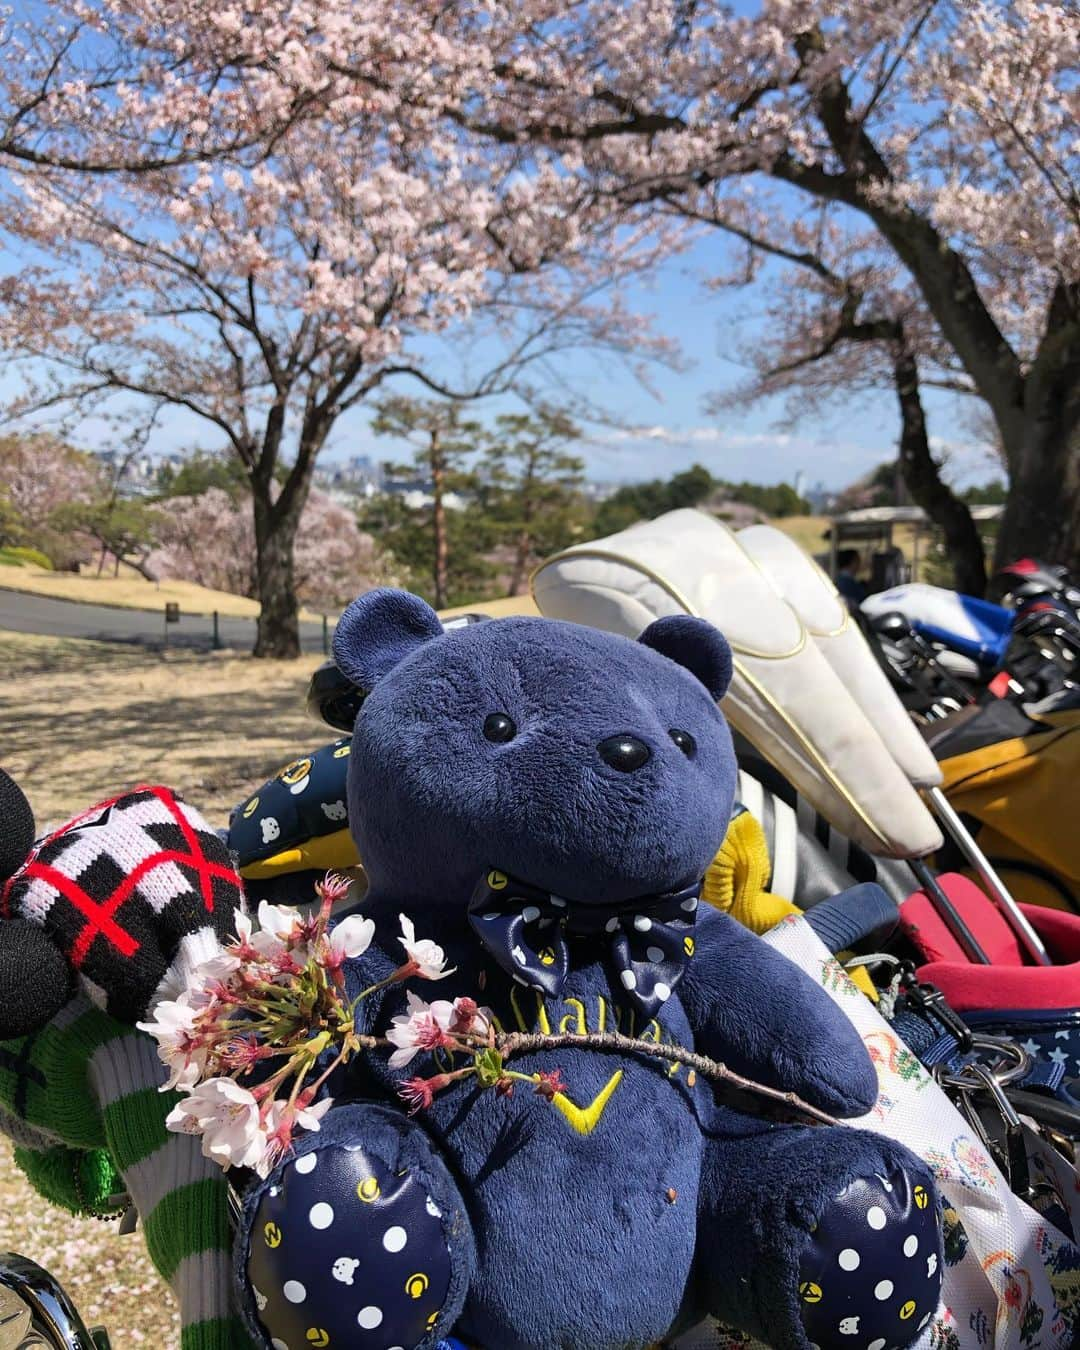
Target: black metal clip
column 928, row 1000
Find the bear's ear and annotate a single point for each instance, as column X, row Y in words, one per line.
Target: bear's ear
column 378, row 631
column 695, row 644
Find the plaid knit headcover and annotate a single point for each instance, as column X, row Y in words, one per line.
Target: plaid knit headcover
column 134, row 892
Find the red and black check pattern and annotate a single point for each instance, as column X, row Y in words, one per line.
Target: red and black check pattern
column 119, row 887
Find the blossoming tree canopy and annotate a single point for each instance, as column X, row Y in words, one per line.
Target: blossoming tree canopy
column 212, row 220
column 367, row 170
column 948, row 125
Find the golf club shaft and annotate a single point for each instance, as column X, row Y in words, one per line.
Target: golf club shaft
column 964, row 840
column 949, row 914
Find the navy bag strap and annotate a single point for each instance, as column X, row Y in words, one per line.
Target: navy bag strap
column 853, row 916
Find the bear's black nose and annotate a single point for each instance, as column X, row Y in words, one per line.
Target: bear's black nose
column 624, row 752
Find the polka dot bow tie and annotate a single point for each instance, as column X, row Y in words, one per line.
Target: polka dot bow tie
column 526, row 930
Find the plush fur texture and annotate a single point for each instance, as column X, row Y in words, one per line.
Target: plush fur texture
column 432, row 802
column 671, row 1202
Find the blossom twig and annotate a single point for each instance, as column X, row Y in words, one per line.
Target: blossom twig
column 523, row 1043
column 275, row 993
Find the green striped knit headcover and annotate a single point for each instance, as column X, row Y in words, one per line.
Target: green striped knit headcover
column 83, row 1093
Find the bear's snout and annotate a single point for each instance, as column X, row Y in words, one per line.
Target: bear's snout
column 624, row 752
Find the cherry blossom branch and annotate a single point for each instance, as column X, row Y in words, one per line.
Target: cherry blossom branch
column 522, row 1043
column 526, row 1043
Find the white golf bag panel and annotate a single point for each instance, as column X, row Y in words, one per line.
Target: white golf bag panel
column 814, row 599
column 784, row 698
column 974, row 628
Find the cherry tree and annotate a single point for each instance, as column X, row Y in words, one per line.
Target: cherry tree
column 945, row 126
column 210, row 539
column 840, row 325
column 501, row 137
column 39, row 476
column 256, row 240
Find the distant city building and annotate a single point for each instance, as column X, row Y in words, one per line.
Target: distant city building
column 137, row 473
column 820, row 498
column 347, row 480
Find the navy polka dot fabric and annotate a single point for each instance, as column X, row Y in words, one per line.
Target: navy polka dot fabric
column 871, row 1275
column 346, row 1254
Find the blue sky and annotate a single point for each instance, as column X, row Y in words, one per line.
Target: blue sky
column 662, row 428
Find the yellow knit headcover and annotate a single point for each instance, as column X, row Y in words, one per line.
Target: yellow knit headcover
column 736, row 884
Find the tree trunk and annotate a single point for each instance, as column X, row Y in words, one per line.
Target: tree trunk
column 528, row 509
column 521, row 562
column 438, row 517
column 278, row 632
column 1042, row 515
column 923, row 480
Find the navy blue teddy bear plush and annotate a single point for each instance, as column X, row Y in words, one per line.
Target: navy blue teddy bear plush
column 542, row 800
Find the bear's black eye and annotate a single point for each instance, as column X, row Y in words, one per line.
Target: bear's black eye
column 498, row 727
column 684, row 741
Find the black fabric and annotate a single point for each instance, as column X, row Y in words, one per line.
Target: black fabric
column 530, row 933
column 34, row 977
column 304, row 800
column 873, row 1267
column 1000, row 720
column 361, row 1239
column 16, row 826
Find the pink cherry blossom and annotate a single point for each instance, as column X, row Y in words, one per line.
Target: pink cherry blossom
column 433, row 1026
column 227, row 1117
column 279, row 1129
column 348, row 939
column 419, row 1093
column 278, row 925
column 424, row 1026
column 426, row 956
column 179, row 1047
column 210, row 539
column 282, row 211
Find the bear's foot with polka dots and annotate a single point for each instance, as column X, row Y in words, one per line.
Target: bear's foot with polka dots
column 369, row 1247
column 356, row 1246
column 871, row 1275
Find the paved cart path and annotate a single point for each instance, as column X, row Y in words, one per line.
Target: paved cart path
column 21, row 612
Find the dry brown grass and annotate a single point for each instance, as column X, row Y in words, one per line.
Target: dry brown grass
column 807, row 531
column 81, row 719
column 78, row 720
column 110, row 1278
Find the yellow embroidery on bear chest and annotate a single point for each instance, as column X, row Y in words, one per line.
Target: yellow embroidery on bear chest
column 585, row 1119
column 576, row 1016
